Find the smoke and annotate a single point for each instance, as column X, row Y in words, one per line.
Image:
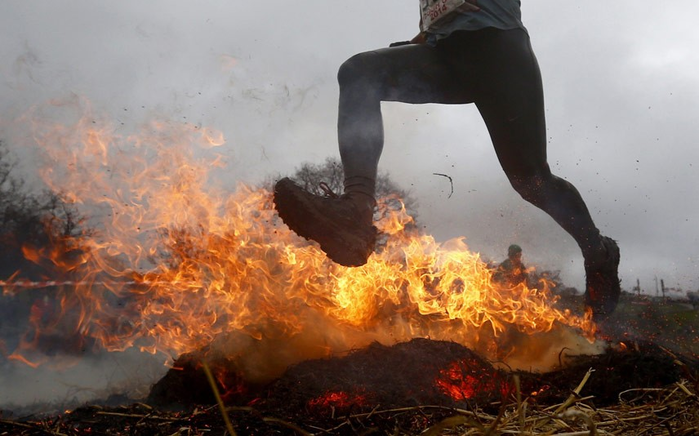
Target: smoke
column 91, row 378
column 262, row 359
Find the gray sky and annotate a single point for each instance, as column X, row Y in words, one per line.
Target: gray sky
column 621, row 90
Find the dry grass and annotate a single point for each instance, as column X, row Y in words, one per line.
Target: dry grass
column 672, row 411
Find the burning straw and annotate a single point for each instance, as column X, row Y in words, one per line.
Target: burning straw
column 182, row 267
column 176, row 262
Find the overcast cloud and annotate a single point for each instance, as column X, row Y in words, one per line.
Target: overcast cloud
column 620, row 79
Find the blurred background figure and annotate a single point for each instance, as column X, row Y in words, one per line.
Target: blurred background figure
column 511, row 272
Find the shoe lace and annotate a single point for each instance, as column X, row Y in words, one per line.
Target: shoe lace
column 326, row 189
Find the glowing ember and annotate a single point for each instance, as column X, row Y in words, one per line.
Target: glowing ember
column 464, row 380
column 542, row 390
column 175, row 262
column 456, row 384
column 338, row 400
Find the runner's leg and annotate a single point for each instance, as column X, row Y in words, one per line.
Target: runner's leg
column 343, row 226
column 512, row 105
column 409, row 74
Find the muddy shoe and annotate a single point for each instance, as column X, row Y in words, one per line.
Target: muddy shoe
column 344, row 234
column 602, row 282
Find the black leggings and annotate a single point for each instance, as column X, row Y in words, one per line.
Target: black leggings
column 496, row 70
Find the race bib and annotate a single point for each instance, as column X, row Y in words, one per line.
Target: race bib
column 434, row 10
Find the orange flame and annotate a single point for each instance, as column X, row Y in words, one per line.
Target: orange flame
column 176, row 262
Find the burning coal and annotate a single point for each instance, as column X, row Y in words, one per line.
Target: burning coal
column 176, row 263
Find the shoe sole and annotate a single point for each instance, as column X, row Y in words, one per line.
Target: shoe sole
column 344, row 242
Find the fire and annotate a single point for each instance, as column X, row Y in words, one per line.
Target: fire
column 465, row 379
column 176, row 263
column 457, row 385
column 338, row 400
